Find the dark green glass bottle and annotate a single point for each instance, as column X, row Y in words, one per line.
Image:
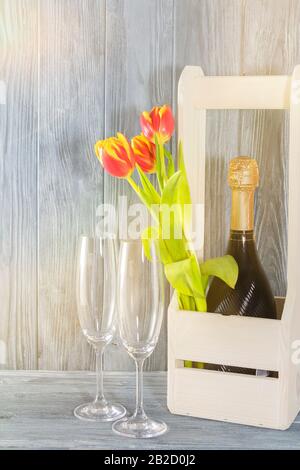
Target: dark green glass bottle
column 252, row 295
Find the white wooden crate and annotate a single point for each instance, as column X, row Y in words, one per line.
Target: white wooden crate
column 255, row 343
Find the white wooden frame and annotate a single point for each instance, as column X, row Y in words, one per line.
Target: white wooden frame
column 241, row 341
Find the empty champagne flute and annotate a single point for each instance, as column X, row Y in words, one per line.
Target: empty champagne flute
column 96, row 288
column 140, row 295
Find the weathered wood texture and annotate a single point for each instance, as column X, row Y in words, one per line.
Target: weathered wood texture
column 72, row 51
column 37, row 413
column 78, row 70
column 18, row 180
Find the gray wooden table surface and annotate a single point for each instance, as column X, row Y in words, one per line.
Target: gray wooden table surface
column 36, row 412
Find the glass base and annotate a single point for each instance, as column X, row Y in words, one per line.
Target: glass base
column 139, row 428
column 98, row 412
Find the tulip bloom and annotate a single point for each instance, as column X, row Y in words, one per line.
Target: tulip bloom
column 116, row 156
column 144, row 152
column 159, row 122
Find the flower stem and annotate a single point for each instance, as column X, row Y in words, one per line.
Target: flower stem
column 162, row 162
column 133, row 185
column 137, row 189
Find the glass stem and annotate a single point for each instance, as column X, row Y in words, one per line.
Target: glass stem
column 139, row 411
column 99, row 377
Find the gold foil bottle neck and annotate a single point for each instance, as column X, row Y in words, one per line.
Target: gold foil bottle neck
column 243, row 173
column 243, row 177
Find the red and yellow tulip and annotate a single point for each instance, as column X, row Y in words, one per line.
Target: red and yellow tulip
column 116, row 156
column 144, row 152
column 148, row 154
column 160, row 122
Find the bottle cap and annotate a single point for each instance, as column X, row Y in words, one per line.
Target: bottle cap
column 243, row 173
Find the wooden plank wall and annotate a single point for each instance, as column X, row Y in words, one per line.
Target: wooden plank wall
column 18, row 179
column 79, row 70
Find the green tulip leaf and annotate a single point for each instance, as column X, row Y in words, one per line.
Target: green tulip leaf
column 224, row 267
column 150, row 235
column 147, row 237
column 185, row 277
column 171, row 220
column 147, row 200
column 174, row 216
column 148, row 186
column 171, row 165
column 170, row 193
column 159, row 174
column 176, row 190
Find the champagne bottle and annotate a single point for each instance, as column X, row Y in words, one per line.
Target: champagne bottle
column 252, row 295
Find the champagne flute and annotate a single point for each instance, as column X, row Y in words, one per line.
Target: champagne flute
column 96, row 285
column 140, row 295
